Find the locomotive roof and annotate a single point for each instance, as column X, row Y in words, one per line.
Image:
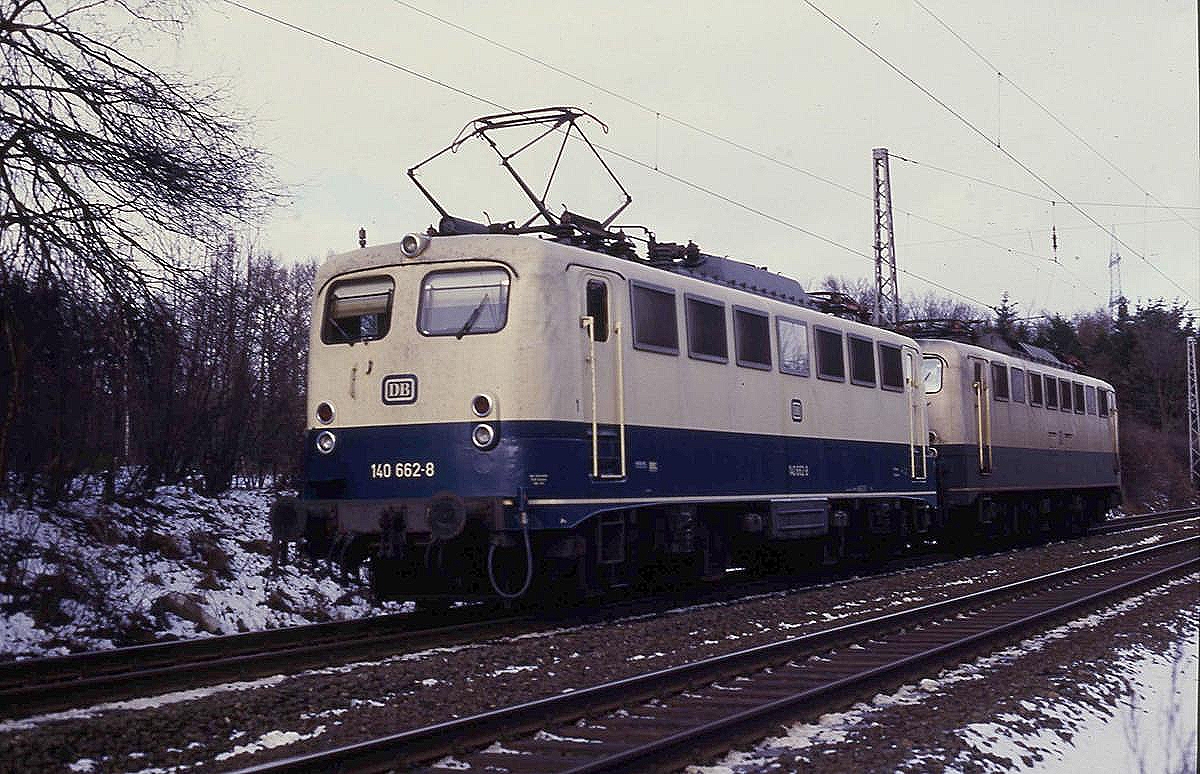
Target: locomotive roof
column 709, row 268
column 978, row 350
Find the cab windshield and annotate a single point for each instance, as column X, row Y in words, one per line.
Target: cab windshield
column 463, row 302
column 358, row 310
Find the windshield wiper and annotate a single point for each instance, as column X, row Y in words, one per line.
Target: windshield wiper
column 466, row 328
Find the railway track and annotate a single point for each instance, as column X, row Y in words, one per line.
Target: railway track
column 47, row 684
column 1144, row 520
column 672, row 717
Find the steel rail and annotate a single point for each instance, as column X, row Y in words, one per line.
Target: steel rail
column 410, row 748
column 1144, row 520
column 44, row 684
column 57, row 682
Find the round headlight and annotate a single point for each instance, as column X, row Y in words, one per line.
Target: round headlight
column 326, row 441
column 413, row 245
column 325, row 413
column 481, row 405
column 483, row 436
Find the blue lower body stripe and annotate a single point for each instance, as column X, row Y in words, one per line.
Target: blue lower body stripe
column 552, row 462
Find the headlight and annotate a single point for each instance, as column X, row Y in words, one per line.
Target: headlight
column 325, row 413
column 326, row 441
column 413, row 245
column 483, row 436
column 481, row 405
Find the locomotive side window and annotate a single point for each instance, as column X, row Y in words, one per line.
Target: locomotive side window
column 830, row 362
column 752, row 338
column 358, row 310
column 1051, row 392
column 1064, row 394
column 1035, row 389
column 931, row 374
column 793, row 346
column 1104, row 403
column 862, row 361
column 1018, row 385
column 461, row 302
column 1091, row 400
column 1078, row 391
column 891, row 372
column 597, row 309
column 1000, row 380
column 654, row 325
column 706, row 329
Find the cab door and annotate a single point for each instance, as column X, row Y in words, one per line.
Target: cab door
column 918, row 421
column 983, row 412
column 603, row 402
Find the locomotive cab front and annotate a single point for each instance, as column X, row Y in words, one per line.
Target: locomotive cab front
column 445, row 380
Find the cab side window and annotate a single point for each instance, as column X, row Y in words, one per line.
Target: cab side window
column 597, row 309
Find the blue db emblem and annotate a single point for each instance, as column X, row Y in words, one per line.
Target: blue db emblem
column 400, row 389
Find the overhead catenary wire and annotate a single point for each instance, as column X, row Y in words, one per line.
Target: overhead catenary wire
column 975, row 128
column 1022, row 231
column 626, row 157
column 660, row 115
column 1040, row 198
column 1050, row 113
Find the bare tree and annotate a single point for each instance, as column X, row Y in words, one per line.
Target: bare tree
column 105, row 162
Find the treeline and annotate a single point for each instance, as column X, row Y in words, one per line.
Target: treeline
column 1143, row 354
column 202, row 382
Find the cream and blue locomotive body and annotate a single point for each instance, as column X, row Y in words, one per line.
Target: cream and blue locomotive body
column 1023, row 443
column 491, row 409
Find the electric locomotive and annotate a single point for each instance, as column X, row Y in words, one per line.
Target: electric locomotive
column 556, row 407
column 499, row 408
column 1026, row 446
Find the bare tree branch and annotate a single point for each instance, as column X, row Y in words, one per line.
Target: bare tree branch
column 104, row 161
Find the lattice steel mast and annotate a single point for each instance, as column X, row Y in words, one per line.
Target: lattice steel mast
column 887, row 297
column 1114, row 277
column 1193, row 393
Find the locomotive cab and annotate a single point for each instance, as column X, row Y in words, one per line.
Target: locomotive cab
column 424, row 374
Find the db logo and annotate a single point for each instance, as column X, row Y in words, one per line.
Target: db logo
column 399, row 389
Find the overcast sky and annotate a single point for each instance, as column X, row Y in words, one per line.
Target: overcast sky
column 777, row 78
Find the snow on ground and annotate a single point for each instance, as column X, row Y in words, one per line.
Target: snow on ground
column 1153, row 730
column 1161, row 707
column 89, row 575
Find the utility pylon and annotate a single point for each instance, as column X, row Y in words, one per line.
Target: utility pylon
column 887, row 297
column 1114, row 277
column 1193, row 393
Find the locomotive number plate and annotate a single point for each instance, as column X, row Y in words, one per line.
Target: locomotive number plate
column 403, row 470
